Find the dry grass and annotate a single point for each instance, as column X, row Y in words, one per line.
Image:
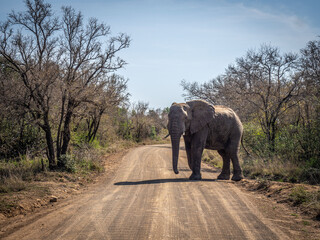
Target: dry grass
column 303, row 198
column 212, row 158
column 308, row 201
column 12, row 184
column 279, row 170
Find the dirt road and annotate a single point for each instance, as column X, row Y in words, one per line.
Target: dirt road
column 146, row 200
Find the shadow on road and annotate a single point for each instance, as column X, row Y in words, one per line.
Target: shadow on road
column 158, row 181
column 160, row 146
column 166, row 146
column 202, row 170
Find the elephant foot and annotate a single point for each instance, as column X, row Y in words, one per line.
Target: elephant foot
column 224, row 176
column 195, row 177
column 237, row 177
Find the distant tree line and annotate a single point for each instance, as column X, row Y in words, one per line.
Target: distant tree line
column 58, row 85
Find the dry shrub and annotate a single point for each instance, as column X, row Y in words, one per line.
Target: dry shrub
column 12, row 184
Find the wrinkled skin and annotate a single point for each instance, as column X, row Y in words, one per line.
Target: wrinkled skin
column 205, row 126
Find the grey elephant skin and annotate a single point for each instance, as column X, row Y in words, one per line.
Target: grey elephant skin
column 205, row 126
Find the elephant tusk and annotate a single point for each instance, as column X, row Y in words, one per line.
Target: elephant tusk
column 167, row 136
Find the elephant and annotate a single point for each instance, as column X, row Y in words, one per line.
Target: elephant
column 205, row 126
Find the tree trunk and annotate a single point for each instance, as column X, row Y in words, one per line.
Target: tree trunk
column 95, row 130
column 273, row 137
column 59, row 134
column 66, row 136
column 50, row 147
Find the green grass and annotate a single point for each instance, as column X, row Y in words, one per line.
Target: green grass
column 306, row 223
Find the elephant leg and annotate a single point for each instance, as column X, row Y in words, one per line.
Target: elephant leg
column 187, row 142
column 237, row 172
column 225, row 174
column 197, row 145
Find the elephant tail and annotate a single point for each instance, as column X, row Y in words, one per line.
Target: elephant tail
column 248, row 154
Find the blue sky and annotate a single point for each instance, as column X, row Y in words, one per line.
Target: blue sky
column 193, row 40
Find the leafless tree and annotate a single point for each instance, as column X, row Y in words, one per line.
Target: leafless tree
column 58, row 63
column 28, row 43
column 111, row 94
column 267, row 81
column 209, row 91
column 261, row 85
column 310, row 69
column 140, row 121
column 85, row 61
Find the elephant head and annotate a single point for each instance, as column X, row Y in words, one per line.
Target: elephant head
column 187, row 118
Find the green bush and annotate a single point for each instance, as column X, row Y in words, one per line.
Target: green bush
column 88, row 159
column 296, row 157
column 67, row 163
column 19, row 138
column 153, row 133
column 255, row 140
column 125, row 129
column 78, row 137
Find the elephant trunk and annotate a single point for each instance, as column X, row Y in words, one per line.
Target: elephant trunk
column 175, row 143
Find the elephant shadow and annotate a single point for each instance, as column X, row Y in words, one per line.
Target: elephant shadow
column 167, row 146
column 160, row 181
column 209, row 170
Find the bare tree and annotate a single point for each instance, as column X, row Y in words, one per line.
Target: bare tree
column 209, row 91
column 218, row 91
column 262, row 85
column 58, row 64
column 140, row 121
column 28, row 43
column 111, row 93
column 310, row 69
column 85, row 61
column 267, row 81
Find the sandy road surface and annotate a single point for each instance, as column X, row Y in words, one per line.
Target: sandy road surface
column 146, row 200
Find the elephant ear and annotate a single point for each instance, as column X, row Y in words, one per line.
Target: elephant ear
column 202, row 114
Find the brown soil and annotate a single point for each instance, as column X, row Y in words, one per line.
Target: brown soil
column 139, row 197
column 51, row 187
column 280, row 193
